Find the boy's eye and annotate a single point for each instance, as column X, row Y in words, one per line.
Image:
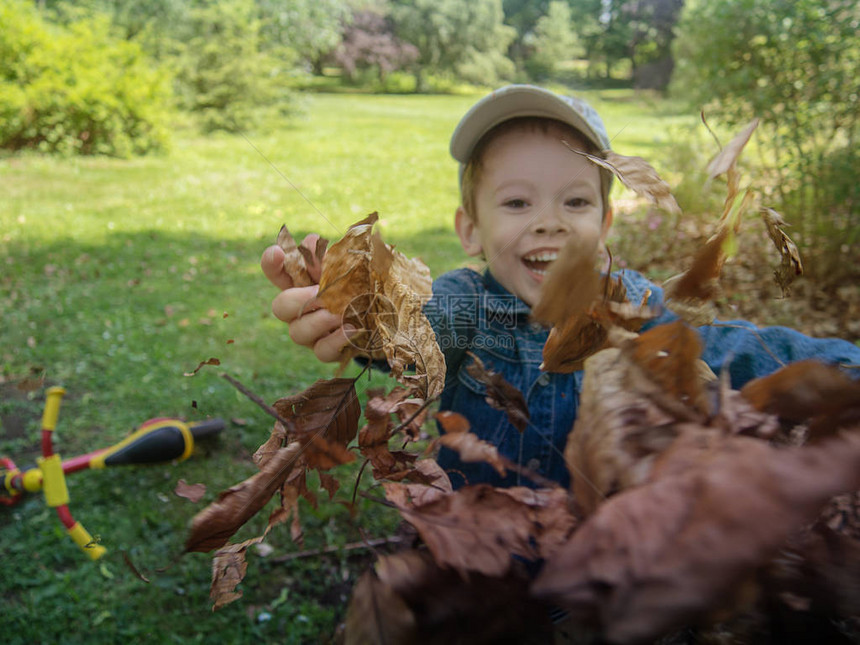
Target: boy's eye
column 515, row 203
column 578, row 202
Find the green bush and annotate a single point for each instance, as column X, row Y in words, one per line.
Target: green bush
column 223, row 74
column 76, row 89
column 793, row 64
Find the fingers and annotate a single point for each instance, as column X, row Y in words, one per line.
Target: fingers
column 272, row 264
column 293, row 303
column 308, row 329
column 329, row 348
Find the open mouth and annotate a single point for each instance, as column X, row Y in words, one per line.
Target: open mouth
column 539, row 263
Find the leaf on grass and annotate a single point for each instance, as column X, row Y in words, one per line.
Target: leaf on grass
column 208, row 361
column 790, row 266
column 191, row 492
column 302, row 263
column 215, row 524
column 325, row 419
column 468, row 445
column 639, row 176
column 728, row 156
column 808, row 391
column 666, row 553
column 501, row 395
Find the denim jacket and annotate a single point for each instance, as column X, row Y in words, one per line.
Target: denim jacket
column 473, row 312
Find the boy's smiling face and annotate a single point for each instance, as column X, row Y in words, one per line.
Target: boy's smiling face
column 532, row 196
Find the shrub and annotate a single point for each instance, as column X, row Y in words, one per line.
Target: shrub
column 794, row 65
column 76, row 89
column 222, row 73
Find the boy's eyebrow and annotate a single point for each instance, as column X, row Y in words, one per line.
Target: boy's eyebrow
column 576, row 183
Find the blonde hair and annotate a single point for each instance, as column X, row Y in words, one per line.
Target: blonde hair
column 471, row 173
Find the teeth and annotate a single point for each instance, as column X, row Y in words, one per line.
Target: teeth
column 546, row 256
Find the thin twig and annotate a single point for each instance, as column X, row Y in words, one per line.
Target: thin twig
column 260, row 402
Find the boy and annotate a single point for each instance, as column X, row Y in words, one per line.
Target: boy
column 524, row 194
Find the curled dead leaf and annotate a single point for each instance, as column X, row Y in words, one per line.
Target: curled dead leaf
column 202, row 364
column 790, row 266
column 639, row 176
column 501, row 395
column 728, row 156
column 381, row 293
column 215, row 524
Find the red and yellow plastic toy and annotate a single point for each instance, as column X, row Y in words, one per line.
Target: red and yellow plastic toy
column 155, row 441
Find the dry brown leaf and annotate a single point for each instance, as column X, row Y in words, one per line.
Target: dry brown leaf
column 479, row 528
column 808, row 391
column 639, row 176
column 215, row 524
column 472, row 449
column 468, row 445
column 790, row 266
column 571, row 285
column 377, row 613
column 191, row 492
column 325, row 419
column 501, row 395
column 728, row 156
column 669, row 355
column 302, row 263
column 276, row 440
column 229, row 566
column 568, row 345
column 581, row 322
column 671, row 551
column 373, row 437
column 617, row 432
column 202, row 364
column 381, row 293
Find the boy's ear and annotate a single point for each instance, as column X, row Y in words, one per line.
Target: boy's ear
column 607, row 223
column 467, row 230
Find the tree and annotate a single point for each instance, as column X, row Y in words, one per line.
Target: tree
column 312, row 28
column 223, row 75
column 552, row 41
column 369, row 43
column 467, row 40
column 793, row 63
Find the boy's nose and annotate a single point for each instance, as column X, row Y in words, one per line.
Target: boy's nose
column 548, row 222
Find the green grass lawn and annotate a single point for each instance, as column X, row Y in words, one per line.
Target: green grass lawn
column 118, row 277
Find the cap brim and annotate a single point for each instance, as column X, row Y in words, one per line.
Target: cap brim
column 512, row 102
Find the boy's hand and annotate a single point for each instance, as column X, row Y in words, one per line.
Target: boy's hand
column 310, row 324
